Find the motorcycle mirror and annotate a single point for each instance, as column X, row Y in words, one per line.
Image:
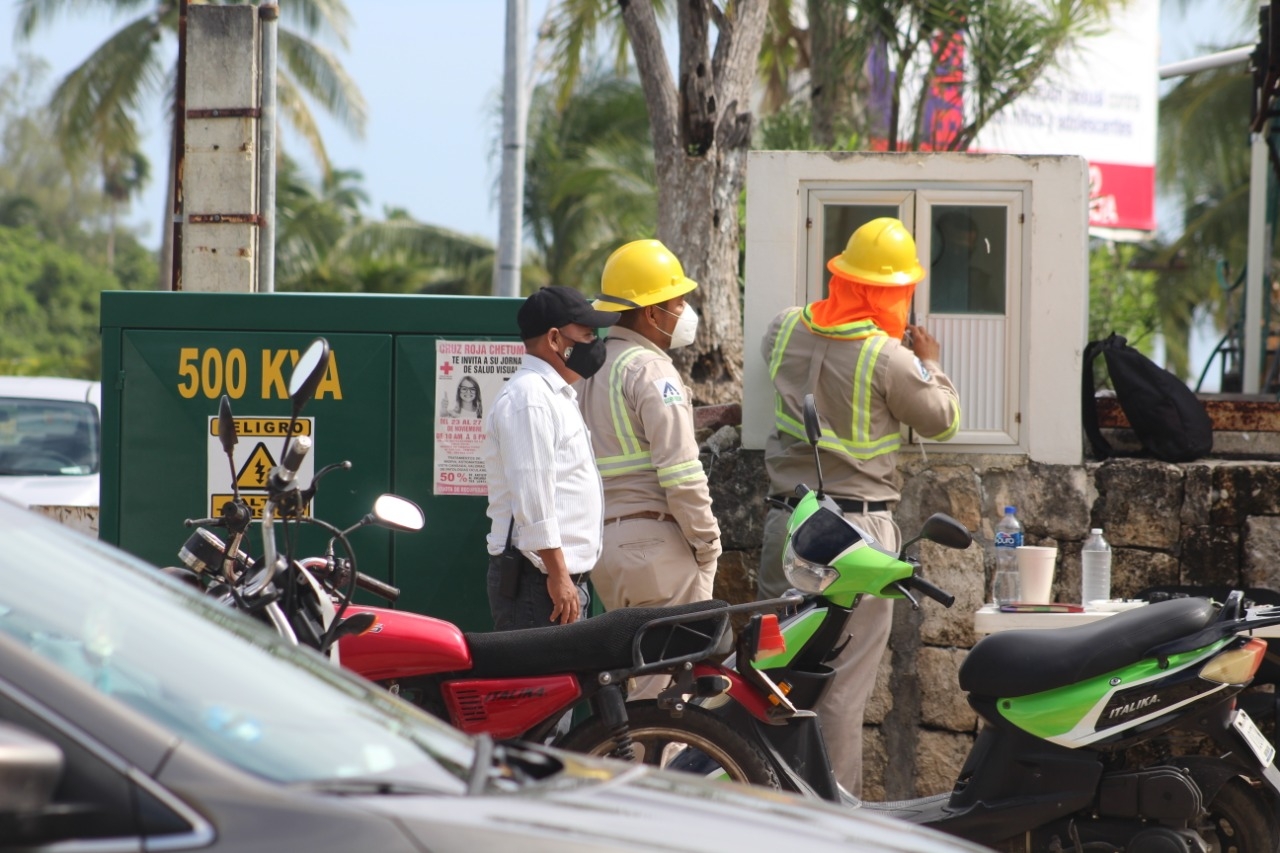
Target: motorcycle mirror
column 228, row 437
column 944, row 530
column 226, row 425
column 398, row 513
column 307, row 373
column 353, row 625
column 813, row 430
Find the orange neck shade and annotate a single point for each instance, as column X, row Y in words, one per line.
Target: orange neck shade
column 849, row 301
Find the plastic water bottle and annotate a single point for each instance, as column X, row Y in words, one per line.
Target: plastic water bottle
column 1008, row 537
column 1095, row 568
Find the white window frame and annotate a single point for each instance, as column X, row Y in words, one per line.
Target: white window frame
column 1007, row 433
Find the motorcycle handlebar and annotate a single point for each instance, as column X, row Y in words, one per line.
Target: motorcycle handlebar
column 377, row 587
column 941, row 596
column 296, row 451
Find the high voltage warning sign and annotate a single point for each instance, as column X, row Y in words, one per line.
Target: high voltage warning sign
column 253, row 475
column 252, row 471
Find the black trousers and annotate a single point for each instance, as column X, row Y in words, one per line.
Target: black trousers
column 530, row 606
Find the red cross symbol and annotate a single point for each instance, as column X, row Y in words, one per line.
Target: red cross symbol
column 447, row 368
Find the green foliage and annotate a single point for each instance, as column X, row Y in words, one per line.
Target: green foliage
column 37, row 186
column 49, row 300
column 1204, row 164
column 571, row 32
column 1008, row 46
column 55, row 256
column 1121, row 299
column 790, row 128
column 96, row 106
column 324, row 243
column 589, row 180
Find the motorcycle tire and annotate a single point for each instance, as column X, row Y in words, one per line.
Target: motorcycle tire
column 657, row 736
column 1240, row 821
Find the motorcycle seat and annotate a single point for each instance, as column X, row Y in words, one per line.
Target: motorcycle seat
column 1026, row 661
column 599, row 643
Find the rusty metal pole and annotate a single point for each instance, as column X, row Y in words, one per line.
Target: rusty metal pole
column 269, row 15
column 176, row 158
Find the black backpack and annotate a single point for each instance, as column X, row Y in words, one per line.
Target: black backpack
column 1165, row 414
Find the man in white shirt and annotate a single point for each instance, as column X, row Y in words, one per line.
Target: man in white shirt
column 546, row 501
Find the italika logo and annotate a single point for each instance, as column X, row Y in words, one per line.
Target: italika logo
column 1134, row 707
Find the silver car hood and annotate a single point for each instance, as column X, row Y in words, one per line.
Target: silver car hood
column 597, row 805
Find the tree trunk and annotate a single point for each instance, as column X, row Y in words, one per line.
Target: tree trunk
column 701, row 134
column 832, row 76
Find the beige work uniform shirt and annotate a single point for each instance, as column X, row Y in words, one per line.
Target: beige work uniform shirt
column 641, row 421
column 866, row 386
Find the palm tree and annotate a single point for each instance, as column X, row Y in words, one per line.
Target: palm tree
column 124, row 175
column 1204, row 166
column 324, row 243
column 99, row 102
column 589, row 182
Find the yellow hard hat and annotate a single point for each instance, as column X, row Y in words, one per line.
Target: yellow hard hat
column 880, row 252
column 642, row 272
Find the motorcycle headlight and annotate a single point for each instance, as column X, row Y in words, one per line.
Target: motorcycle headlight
column 804, row 575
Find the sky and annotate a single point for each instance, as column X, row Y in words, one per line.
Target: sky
column 431, row 73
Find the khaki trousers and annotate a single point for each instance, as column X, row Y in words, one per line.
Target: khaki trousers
column 841, row 708
column 648, row 563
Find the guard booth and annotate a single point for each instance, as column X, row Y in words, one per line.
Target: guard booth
column 402, row 401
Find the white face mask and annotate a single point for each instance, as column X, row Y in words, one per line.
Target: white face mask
column 686, row 327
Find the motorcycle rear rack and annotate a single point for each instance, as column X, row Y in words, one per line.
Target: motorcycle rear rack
column 714, row 638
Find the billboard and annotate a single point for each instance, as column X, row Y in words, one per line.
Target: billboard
column 1100, row 103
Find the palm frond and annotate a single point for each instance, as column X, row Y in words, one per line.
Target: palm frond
column 294, row 110
column 318, row 72
column 319, row 18
column 35, row 15
column 98, row 100
column 415, row 241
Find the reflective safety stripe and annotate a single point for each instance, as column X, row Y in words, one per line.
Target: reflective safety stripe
column 856, row 329
column 633, row 456
column 612, row 466
column 952, row 428
column 780, row 343
column 862, row 381
column 833, row 442
column 681, row 472
column 860, row 445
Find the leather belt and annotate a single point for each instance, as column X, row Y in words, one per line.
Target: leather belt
column 848, row 505
column 525, row 563
column 651, row 515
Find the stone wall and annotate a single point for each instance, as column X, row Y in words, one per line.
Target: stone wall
column 1210, row 523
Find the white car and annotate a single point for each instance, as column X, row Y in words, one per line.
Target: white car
column 50, row 440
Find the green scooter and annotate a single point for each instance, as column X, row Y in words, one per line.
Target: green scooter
column 1074, row 752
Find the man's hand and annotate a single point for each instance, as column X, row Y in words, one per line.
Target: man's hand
column 566, row 607
column 923, row 344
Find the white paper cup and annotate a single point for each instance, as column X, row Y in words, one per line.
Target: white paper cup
column 1035, row 573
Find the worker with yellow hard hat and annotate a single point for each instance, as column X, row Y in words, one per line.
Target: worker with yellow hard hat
column 848, row 351
column 661, row 539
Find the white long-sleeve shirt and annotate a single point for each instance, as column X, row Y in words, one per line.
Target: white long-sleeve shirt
column 540, row 467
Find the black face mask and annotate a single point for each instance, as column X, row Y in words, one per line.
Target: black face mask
column 585, row 359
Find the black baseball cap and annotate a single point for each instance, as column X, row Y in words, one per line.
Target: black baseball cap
column 556, row 306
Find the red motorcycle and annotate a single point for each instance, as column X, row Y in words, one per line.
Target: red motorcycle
column 512, row 684
column 521, row 684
